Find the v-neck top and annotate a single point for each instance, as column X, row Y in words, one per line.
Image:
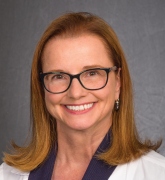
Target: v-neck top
column 96, row 170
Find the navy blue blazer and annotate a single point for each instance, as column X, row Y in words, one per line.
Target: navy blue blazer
column 97, row 169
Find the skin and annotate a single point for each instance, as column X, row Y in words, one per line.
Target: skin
column 79, row 132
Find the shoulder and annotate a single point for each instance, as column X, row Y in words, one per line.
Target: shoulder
column 149, row 167
column 154, row 158
column 11, row 173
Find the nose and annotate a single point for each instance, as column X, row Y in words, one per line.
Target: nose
column 76, row 90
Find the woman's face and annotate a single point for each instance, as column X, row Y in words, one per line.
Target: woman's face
column 74, row 55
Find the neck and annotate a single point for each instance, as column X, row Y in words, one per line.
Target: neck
column 79, row 146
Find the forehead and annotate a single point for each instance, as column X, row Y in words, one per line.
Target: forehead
column 84, row 50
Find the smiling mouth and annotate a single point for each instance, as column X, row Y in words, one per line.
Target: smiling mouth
column 80, row 107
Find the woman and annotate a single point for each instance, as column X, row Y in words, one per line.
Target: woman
column 82, row 111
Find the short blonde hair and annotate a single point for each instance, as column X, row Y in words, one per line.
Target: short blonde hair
column 126, row 145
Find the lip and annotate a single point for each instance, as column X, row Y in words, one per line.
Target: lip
column 77, row 112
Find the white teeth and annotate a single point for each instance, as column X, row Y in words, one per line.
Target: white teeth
column 80, row 108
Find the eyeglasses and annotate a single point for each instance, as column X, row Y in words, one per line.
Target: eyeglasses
column 91, row 79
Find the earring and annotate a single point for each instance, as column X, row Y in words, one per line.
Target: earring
column 117, row 104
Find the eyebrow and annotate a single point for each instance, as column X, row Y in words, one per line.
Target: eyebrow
column 92, row 66
column 84, row 68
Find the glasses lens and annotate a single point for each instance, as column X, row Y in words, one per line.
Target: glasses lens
column 94, row 78
column 56, row 82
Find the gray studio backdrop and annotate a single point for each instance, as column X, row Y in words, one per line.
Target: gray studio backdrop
column 140, row 26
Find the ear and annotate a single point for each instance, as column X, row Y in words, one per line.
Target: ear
column 118, row 84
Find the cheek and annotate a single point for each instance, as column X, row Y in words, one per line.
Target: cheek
column 113, row 88
column 110, row 90
column 52, row 101
column 109, row 97
column 106, row 97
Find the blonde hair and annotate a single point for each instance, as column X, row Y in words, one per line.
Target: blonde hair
column 126, row 145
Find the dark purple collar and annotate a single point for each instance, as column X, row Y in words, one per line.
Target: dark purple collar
column 97, row 169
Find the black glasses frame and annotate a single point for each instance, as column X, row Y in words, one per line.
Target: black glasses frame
column 77, row 76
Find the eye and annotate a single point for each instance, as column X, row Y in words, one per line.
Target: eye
column 57, row 76
column 92, row 72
